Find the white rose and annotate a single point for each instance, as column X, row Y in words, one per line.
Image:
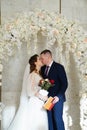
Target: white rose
column 46, row 80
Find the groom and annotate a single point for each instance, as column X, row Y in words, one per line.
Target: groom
column 55, row 71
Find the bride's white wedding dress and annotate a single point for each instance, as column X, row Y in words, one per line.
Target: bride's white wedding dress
column 30, row 115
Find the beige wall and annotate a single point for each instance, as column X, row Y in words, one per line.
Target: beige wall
column 76, row 9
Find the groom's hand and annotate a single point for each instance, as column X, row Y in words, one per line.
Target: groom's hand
column 56, row 99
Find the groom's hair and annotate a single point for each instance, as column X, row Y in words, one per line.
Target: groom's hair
column 46, row 51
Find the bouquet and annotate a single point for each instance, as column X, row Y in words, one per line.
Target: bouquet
column 46, row 83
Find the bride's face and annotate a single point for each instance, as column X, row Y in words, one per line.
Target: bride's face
column 39, row 63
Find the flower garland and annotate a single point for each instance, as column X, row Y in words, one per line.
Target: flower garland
column 68, row 36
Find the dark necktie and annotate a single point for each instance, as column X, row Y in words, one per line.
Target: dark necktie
column 46, row 70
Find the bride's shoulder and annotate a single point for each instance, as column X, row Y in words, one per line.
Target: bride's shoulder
column 34, row 74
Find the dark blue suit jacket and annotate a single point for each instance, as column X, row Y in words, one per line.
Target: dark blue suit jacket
column 58, row 74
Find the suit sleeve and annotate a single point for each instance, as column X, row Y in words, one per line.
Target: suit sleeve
column 63, row 81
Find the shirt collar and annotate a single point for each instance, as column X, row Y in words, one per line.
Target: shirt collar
column 51, row 63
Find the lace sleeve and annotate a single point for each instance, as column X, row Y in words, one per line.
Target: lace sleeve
column 32, row 87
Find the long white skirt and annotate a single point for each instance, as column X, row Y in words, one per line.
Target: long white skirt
column 30, row 116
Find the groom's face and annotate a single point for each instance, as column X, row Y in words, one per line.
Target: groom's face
column 44, row 59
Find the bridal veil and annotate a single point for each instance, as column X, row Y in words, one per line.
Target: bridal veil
column 24, row 97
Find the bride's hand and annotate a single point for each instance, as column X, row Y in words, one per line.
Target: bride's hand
column 45, row 98
column 41, row 97
column 37, row 94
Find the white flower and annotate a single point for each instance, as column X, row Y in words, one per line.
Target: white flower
column 46, row 79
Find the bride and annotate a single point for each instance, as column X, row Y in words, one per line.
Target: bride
column 30, row 114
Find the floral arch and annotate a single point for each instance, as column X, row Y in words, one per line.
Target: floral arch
column 67, row 36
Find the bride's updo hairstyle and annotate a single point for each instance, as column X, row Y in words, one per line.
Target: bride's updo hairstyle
column 32, row 61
